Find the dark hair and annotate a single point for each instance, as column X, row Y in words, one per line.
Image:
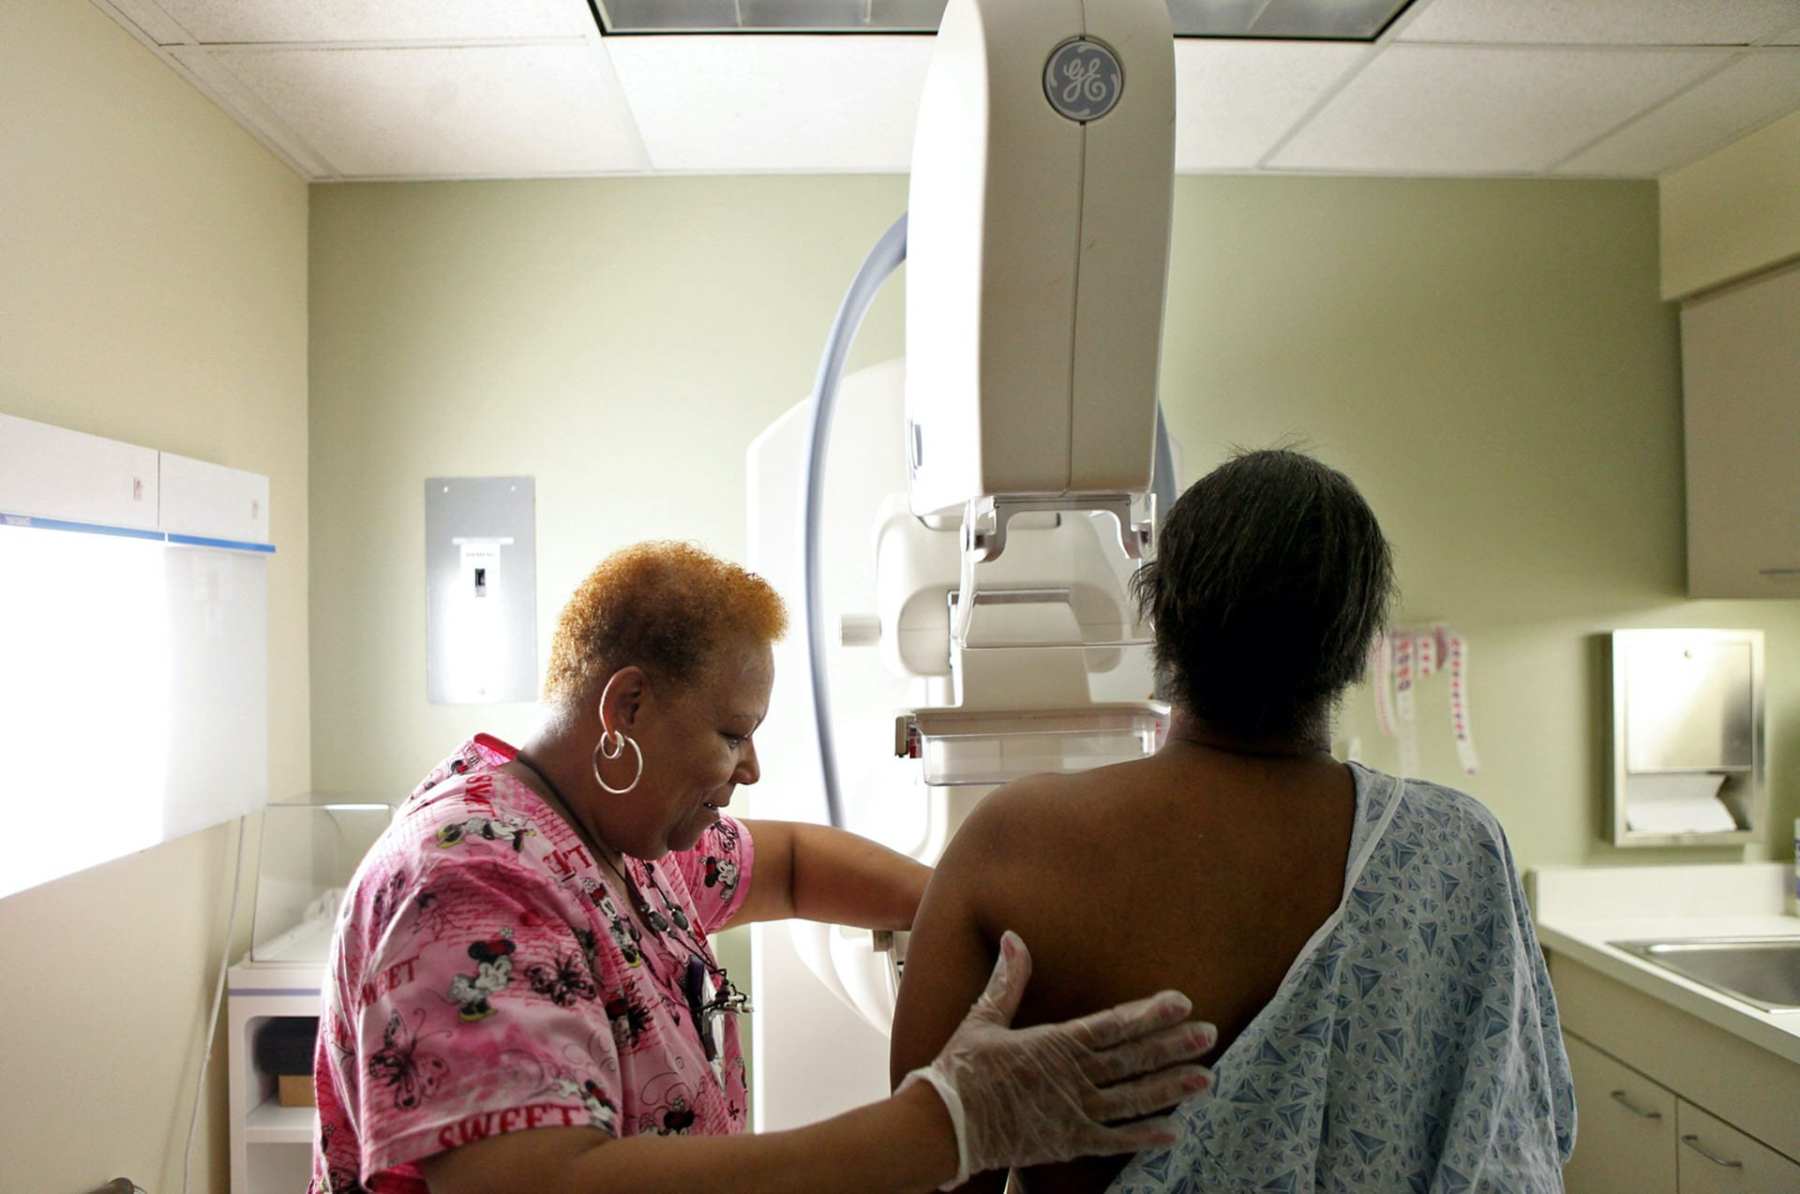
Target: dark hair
column 1270, row 582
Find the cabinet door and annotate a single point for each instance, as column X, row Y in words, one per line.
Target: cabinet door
column 1625, row 1130
column 1740, row 368
column 1717, row 1158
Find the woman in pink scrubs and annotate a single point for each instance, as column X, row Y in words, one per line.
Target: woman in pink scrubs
column 523, row 996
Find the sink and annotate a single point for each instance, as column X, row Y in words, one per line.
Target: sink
column 1762, row 971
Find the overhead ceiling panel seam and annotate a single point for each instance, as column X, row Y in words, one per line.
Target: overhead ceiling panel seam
column 631, row 113
column 1643, row 113
column 144, row 35
column 1589, row 47
column 252, row 112
column 1324, row 99
column 1748, row 130
column 232, row 105
column 486, row 43
column 593, row 36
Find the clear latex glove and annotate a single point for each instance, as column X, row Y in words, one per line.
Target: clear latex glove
column 1035, row 1096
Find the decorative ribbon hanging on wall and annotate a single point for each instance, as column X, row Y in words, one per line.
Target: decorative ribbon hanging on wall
column 1400, row 659
column 1404, row 714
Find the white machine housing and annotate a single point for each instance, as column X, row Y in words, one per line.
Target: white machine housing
column 1053, row 676
column 1037, row 256
column 979, row 538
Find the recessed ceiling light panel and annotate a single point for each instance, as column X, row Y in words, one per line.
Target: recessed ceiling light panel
column 1310, row 20
column 1307, row 20
column 769, row 16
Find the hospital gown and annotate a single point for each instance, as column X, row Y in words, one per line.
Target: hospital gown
column 1413, row 1045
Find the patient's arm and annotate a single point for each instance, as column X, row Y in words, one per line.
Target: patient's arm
column 950, row 955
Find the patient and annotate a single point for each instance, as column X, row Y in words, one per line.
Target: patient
column 1361, row 942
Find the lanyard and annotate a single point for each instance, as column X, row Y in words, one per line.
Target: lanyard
column 705, row 1009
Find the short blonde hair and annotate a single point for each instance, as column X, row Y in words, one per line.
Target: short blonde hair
column 664, row 606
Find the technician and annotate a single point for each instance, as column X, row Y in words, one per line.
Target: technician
column 523, row 996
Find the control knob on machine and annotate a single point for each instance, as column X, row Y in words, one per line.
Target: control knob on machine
column 859, row 630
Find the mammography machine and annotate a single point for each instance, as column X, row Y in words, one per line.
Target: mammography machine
column 955, row 532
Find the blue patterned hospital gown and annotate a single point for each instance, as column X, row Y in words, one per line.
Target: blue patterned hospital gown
column 1414, row 1044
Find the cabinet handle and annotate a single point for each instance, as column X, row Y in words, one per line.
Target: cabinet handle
column 1693, row 1142
column 1618, row 1096
column 1778, row 571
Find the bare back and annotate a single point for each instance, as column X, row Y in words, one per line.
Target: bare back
column 1195, row 869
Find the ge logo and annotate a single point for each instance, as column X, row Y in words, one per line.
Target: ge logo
column 1083, row 80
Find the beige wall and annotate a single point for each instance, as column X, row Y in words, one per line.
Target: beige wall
column 152, row 289
column 1491, row 363
column 1490, row 360
column 1733, row 212
column 620, row 341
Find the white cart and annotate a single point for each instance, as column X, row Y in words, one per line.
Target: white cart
column 271, row 1145
column 310, row 850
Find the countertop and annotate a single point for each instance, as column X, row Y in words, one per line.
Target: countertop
column 1580, row 910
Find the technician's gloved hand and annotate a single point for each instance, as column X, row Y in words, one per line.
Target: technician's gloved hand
column 1034, row 1096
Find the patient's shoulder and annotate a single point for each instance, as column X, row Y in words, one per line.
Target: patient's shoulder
column 1029, row 795
column 1457, row 812
column 1453, row 829
column 1036, row 810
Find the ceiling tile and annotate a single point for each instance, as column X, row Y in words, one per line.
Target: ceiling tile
column 378, row 20
column 1440, row 110
column 1235, row 99
column 249, row 110
column 488, row 111
column 147, row 16
column 1602, row 22
column 1752, row 91
column 750, row 103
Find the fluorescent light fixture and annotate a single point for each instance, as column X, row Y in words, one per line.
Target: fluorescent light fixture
column 1276, row 20
column 133, row 693
column 769, row 16
column 1285, row 20
column 84, row 698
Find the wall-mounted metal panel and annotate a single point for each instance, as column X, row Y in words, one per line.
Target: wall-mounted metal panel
column 480, row 590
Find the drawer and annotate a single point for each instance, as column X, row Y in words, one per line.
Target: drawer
column 1625, row 1133
column 1743, row 1084
column 1715, row 1157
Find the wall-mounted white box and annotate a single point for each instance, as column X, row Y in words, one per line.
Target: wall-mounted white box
column 210, row 501
column 52, row 472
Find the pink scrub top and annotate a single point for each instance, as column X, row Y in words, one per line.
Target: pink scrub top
column 488, row 975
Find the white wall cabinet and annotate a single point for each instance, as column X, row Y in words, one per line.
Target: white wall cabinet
column 210, row 501
column 1740, row 368
column 52, row 472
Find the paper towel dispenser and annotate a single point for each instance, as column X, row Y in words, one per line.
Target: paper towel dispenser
column 1687, row 737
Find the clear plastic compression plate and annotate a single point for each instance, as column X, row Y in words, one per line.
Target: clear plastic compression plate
column 963, row 746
